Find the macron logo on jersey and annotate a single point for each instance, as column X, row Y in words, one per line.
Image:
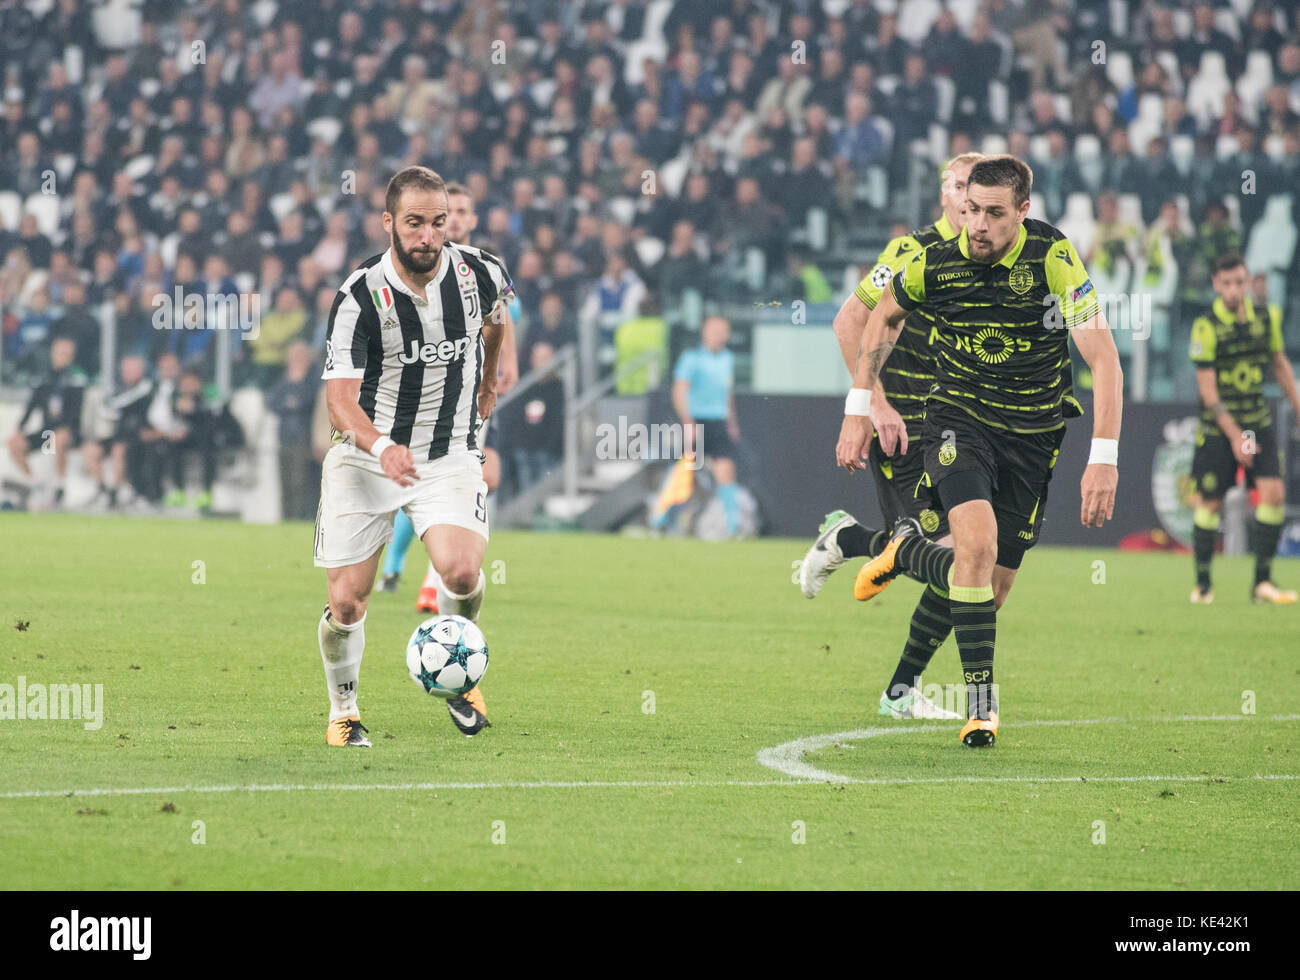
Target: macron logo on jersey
column 441, row 352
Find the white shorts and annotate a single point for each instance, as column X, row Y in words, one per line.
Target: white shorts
column 358, row 502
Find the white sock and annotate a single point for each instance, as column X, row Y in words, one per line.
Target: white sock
column 431, row 579
column 340, row 648
column 462, row 605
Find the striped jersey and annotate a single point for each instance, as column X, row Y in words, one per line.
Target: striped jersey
column 1239, row 354
column 1000, row 332
column 909, row 372
column 419, row 357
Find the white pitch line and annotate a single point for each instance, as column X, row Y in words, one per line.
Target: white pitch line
column 398, row 787
column 789, row 754
column 624, row 784
column 787, row 757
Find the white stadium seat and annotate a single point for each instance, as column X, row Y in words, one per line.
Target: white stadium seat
column 993, row 144
column 139, row 167
column 946, row 90
column 1078, row 222
column 1130, row 209
column 326, row 128
column 915, row 18
column 1119, row 69
column 1226, row 21
column 1273, row 239
column 1151, row 108
column 11, row 211
column 280, row 204
column 1225, row 146
column 649, row 250
column 1088, row 157
column 46, row 209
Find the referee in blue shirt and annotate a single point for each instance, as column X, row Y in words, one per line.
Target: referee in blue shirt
column 704, row 398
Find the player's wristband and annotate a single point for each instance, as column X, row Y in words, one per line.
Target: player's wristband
column 379, row 445
column 858, row 402
column 1104, row 451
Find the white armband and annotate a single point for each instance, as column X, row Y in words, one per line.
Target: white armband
column 858, row 402
column 1104, row 451
column 379, row 445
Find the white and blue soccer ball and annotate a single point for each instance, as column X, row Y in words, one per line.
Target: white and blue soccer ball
column 447, row 655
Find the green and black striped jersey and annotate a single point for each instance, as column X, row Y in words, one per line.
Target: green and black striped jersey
column 909, row 372
column 1001, row 332
column 1239, row 352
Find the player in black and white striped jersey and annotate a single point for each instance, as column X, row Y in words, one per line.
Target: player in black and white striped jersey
column 411, row 358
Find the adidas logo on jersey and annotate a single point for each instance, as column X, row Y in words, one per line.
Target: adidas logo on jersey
column 442, row 352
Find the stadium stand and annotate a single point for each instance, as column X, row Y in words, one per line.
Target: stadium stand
column 155, row 148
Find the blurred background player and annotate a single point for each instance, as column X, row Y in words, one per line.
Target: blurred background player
column 293, row 400
column 192, row 434
column 51, row 421
column 536, row 423
column 705, row 402
column 462, row 219
column 896, row 460
column 127, row 411
column 1233, row 343
column 995, row 416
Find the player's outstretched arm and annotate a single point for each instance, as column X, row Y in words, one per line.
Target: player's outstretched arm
column 1101, row 476
column 342, row 401
column 878, row 339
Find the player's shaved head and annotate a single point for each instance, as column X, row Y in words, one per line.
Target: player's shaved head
column 952, row 193
column 962, row 161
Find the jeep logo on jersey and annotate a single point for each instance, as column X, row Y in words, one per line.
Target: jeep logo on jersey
column 441, row 352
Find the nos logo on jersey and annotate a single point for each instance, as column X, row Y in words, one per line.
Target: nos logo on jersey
column 442, row 352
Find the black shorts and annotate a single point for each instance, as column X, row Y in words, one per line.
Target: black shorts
column 900, row 486
column 1214, row 468
column 713, row 439
column 967, row 460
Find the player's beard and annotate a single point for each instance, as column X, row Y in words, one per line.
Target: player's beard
column 416, row 262
column 985, row 251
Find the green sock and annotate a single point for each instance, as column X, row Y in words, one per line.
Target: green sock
column 974, row 623
column 931, row 624
column 1268, row 529
column 1205, row 527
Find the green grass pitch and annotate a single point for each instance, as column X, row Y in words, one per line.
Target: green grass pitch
column 212, row 684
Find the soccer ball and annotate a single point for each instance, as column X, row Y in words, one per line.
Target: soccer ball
column 447, row 656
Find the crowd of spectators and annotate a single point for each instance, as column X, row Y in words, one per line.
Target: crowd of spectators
column 615, row 149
